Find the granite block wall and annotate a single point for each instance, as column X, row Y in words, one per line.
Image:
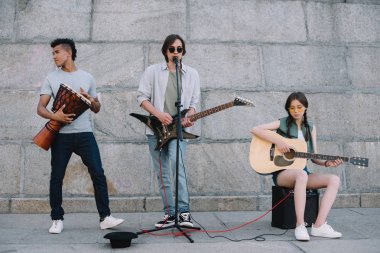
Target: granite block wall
column 260, row 50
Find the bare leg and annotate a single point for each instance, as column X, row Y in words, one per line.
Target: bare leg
column 298, row 180
column 331, row 183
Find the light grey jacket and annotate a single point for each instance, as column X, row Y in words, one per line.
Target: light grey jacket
column 153, row 84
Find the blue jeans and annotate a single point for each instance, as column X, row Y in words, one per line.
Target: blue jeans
column 167, row 156
column 84, row 145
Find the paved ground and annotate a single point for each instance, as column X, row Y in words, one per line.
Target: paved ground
column 29, row 233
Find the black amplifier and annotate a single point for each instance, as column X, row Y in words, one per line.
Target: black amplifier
column 284, row 215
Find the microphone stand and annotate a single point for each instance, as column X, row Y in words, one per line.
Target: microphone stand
column 179, row 138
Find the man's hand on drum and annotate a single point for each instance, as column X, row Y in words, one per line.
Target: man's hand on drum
column 62, row 117
column 86, row 95
column 95, row 104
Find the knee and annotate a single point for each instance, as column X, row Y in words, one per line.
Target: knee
column 301, row 177
column 97, row 172
column 334, row 181
column 97, row 175
column 56, row 181
column 56, row 177
column 164, row 178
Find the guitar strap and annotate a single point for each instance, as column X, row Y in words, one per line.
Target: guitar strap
column 310, row 138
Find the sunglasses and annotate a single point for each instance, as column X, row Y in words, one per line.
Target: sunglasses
column 172, row 49
column 299, row 108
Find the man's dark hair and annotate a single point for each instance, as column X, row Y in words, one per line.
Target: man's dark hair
column 67, row 43
column 169, row 41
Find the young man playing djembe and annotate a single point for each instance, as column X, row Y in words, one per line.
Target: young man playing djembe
column 75, row 137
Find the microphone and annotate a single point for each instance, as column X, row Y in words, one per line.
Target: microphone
column 175, row 59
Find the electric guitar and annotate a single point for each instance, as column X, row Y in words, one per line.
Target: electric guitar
column 166, row 133
column 265, row 158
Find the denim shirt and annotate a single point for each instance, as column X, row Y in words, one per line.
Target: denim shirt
column 153, row 84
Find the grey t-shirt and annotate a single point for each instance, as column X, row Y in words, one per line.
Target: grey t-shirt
column 75, row 80
column 171, row 93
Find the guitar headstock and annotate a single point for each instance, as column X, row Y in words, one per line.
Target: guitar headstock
column 359, row 161
column 243, row 101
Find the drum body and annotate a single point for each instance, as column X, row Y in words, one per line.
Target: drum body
column 75, row 103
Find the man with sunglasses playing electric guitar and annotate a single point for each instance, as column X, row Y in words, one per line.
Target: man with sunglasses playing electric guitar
column 157, row 94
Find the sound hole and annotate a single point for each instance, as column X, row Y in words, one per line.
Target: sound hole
column 290, row 155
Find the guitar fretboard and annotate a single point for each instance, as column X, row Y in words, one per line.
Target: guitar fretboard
column 211, row 111
column 321, row 157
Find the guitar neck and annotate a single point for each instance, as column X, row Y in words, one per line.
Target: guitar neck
column 321, row 157
column 213, row 110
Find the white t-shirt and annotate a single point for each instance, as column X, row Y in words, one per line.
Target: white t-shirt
column 300, row 135
column 75, row 80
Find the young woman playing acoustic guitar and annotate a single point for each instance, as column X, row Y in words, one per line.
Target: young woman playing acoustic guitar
column 296, row 125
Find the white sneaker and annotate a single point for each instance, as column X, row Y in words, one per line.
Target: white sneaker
column 56, row 227
column 110, row 222
column 325, row 231
column 301, row 233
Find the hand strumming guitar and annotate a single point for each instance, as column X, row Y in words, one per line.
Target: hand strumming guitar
column 165, row 118
column 283, row 147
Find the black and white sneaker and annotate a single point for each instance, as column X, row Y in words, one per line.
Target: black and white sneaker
column 185, row 220
column 167, row 221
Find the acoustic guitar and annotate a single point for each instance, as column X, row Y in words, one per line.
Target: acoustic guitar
column 265, row 158
column 166, row 133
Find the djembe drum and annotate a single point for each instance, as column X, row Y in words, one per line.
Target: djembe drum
column 75, row 103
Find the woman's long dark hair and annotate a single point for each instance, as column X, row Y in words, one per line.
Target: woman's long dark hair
column 303, row 100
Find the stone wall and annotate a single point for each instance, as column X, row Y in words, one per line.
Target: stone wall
column 260, row 50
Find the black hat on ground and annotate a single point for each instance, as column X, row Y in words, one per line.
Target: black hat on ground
column 120, row 239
